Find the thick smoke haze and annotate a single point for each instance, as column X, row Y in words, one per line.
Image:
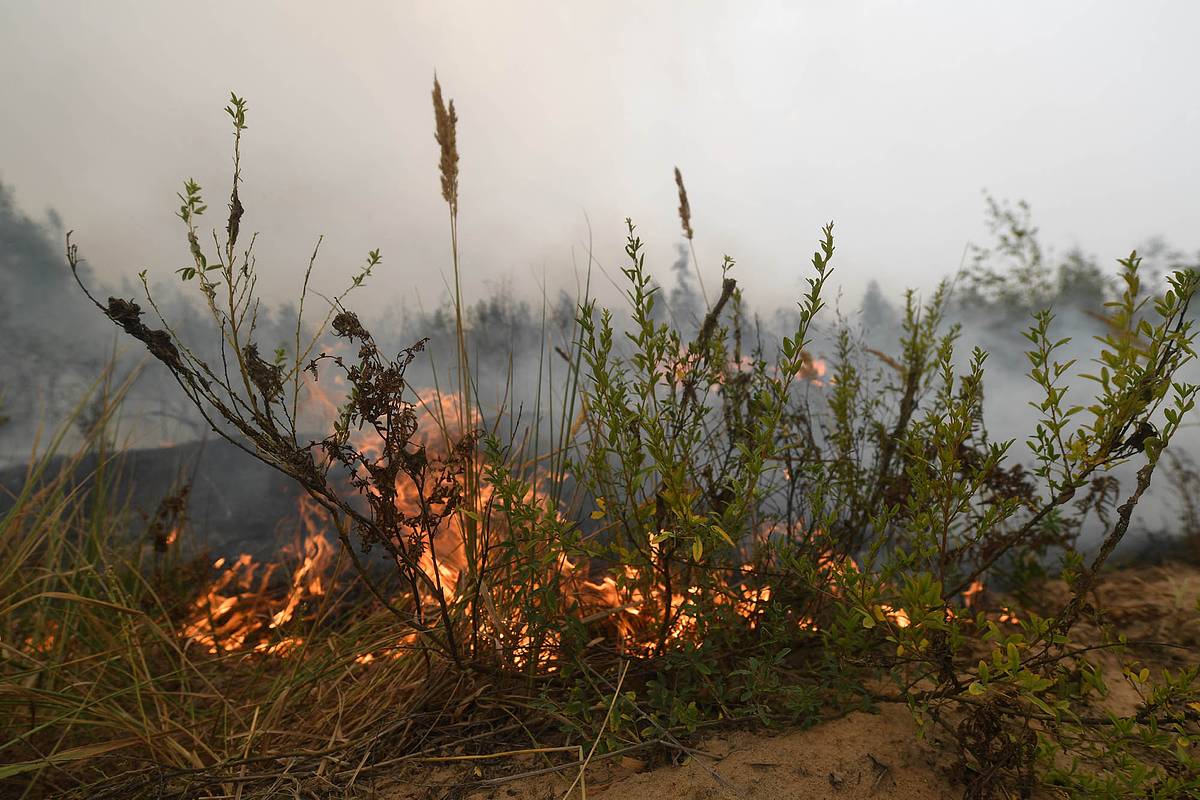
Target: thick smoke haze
column 781, row 116
column 886, row 117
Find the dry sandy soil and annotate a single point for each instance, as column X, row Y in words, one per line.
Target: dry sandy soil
column 857, row 756
column 860, row 755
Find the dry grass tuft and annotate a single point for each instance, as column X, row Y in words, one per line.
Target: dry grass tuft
column 685, row 208
column 447, row 138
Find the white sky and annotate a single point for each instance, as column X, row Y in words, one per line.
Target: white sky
column 887, row 117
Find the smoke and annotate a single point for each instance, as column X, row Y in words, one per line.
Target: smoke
column 56, row 343
column 993, row 301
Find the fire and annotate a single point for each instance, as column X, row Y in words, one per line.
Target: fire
column 440, row 420
column 628, row 613
column 35, row 647
column 248, row 606
column 1007, row 615
column 898, row 616
column 307, row 580
column 814, row 370
column 241, row 607
column 972, row 592
column 972, row 595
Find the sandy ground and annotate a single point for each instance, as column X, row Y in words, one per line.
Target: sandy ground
column 1147, row 604
column 858, row 756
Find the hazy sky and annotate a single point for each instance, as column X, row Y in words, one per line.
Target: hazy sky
column 888, row 117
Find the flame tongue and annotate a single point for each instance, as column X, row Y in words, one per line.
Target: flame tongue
column 240, row 608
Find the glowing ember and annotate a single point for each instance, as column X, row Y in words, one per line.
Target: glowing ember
column 898, row 616
column 39, row 648
column 1007, row 615
column 819, row 368
column 972, row 592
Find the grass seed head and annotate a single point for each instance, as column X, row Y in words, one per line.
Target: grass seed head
column 446, row 135
column 685, row 208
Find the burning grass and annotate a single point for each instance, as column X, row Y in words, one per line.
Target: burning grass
column 713, row 528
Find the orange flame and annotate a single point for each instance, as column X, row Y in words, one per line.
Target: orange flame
column 247, row 608
column 240, row 608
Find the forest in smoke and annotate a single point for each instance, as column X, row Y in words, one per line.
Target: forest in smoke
column 58, row 350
